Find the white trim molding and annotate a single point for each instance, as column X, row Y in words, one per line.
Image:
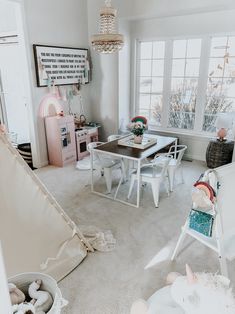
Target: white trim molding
column 197, row 131
column 197, row 144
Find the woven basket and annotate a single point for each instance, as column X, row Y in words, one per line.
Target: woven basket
column 22, row 281
column 25, row 151
column 219, row 153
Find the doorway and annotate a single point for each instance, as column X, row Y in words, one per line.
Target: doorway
column 13, row 102
column 16, row 86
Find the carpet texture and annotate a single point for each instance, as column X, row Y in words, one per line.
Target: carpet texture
column 108, row 283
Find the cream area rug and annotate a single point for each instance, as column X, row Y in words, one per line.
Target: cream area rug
column 108, row 283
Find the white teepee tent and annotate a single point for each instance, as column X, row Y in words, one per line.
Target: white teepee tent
column 35, row 232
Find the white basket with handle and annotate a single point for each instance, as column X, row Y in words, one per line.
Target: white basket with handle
column 22, row 281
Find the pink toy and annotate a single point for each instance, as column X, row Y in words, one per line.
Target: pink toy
column 16, row 295
column 2, row 128
column 50, row 106
column 222, row 134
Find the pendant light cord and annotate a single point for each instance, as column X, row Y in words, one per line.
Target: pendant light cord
column 108, row 3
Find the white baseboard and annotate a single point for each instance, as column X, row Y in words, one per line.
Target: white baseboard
column 195, row 157
column 42, row 164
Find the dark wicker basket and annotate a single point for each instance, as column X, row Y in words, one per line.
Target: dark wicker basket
column 25, row 151
column 219, row 153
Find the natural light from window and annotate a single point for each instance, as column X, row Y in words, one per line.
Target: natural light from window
column 151, row 80
column 220, row 96
column 184, row 83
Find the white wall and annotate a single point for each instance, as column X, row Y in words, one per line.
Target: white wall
column 188, row 25
column 124, row 77
column 135, row 9
column 12, row 77
column 197, row 145
column 8, row 17
column 61, row 23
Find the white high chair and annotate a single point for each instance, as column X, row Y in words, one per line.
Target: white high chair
column 223, row 235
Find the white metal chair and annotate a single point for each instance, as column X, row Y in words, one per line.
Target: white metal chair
column 177, row 151
column 126, row 162
column 114, row 137
column 154, row 173
column 96, row 163
column 105, row 164
column 129, row 164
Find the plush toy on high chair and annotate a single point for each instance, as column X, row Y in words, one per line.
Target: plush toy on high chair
column 200, row 293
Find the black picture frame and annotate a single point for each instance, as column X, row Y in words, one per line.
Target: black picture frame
column 50, row 59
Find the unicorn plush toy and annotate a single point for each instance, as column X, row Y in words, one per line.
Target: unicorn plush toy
column 200, row 293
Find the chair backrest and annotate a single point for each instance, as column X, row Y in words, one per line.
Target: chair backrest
column 92, row 145
column 164, row 162
column 114, row 137
column 104, row 160
column 177, row 151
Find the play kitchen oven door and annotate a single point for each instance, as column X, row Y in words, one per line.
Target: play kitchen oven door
column 82, row 140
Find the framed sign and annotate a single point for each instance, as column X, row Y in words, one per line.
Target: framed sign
column 61, row 65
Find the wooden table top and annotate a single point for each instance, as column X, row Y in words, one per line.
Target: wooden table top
column 136, row 153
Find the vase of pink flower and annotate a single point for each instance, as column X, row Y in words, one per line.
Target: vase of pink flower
column 138, row 139
column 138, row 128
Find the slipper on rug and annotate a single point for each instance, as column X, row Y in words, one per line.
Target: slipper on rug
column 84, row 164
column 100, row 240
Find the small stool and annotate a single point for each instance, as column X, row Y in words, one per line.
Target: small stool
column 219, row 153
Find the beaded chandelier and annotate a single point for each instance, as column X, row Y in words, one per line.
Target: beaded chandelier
column 107, row 41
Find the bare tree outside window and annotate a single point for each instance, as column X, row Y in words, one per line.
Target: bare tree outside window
column 151, row 74
column 168, row 97
column 221, row 80
column 182, row 114
column 184, row 81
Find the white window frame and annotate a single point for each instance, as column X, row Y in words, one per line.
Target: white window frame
column 202, row 83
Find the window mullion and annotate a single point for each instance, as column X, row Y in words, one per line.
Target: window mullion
column 151, row 88
column 136, row 102
column 202, row 84
column 167, row 82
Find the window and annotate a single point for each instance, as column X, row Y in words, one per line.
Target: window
column 184, row 82
column 220, row 94
column 177, row 89
column 151, row 74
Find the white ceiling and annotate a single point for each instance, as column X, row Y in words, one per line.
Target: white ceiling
column 134, row 9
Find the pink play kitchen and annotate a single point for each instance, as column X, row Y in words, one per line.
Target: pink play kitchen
column 65, row 143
